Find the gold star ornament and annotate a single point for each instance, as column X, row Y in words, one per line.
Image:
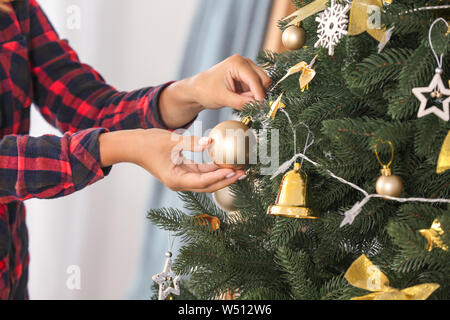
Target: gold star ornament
column 433, row 236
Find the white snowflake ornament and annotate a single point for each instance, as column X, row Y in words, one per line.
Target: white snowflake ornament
column 332, row 26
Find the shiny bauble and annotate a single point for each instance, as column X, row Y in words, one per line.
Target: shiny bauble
column 224, row 199
column 294, row 38
column 231, row 145
column 389, row 184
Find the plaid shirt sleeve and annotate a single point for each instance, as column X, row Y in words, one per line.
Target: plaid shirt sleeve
column 73, row 96
column 48, row 166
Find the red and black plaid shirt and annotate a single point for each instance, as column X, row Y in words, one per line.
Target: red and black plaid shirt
column 38, row 67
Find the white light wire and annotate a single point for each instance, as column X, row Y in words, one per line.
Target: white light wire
column 351, row 214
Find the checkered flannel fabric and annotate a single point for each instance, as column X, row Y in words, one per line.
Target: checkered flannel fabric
column 36, row 66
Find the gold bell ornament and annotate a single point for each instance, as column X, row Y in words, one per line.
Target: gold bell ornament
column 444, row 156
column 292, row 199
column 388, row 184
column 294, row 37
column 232, row 142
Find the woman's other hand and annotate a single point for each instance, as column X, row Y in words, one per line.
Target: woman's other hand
column 232, row 83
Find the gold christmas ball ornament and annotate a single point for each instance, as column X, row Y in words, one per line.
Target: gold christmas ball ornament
column 224, row 199
column 292, row 199
column 294, row 37
column 389, row 184
column 232, row 142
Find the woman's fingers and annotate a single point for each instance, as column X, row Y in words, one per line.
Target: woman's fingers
column 234, row 82
column 251, row 83
column 205, row 182
column 188, row 143
column 247, row 74
column 193, row 166
column 220, row 185
column 194, row 144
column 265, row 79
column 237, row 101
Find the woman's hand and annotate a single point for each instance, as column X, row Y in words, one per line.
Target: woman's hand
column 159, row 152
column 234, row 82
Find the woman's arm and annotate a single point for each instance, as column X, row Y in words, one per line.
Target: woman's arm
column 73, row 96
column 50, row 167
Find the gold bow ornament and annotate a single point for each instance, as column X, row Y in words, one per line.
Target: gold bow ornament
column 444, row 157
column 365, row 15
column 307, row 74
column 433, row 236
column 207, row 220
column 274, row 106
column 365, row 275
column 306, row 11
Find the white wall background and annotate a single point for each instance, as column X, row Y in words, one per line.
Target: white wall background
column 133, row 44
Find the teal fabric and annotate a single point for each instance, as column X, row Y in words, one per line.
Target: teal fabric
column 219, row 30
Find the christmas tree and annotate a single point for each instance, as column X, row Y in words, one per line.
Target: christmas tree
column 360, row 100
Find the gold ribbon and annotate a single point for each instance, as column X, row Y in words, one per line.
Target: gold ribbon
column 275, row 106
column 306, row 11
column 365, row 275
column 306, row 76
column 433, row 236
column 359, row 20
column 444, row 157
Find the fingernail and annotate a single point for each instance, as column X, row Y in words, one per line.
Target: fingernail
column 231, row 175
column 204, row 141
column 243, row 177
